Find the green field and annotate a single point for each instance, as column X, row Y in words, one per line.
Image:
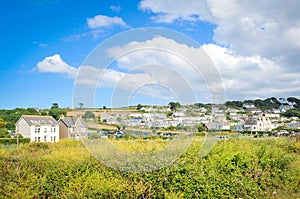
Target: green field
column 235, row 168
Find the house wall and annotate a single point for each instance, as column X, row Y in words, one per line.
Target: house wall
column 47, row 133
column 63, row 131
column 23, row 128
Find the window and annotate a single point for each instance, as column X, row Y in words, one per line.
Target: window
column 53, row 130
column 54, row 138
column 51, row 138
column 45, row 130
column 35, row 138
column 39, row 139
column 37, row 130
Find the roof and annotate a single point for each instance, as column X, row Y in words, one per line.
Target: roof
column 69, row 121
column 34, row 120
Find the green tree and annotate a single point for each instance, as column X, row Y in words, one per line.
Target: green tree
column 54, row 105
column 80, row 104
column 174, row 106
column 202, row 127
column 89, row 115
column 4, row 133
column 57, row 113
column 139, row 107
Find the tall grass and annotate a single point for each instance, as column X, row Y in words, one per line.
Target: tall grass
column 236, row 168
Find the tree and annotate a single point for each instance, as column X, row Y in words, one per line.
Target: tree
column 57, row 113
column 80, row 104
column 174, row 106
column 54, row 105
column 202, row 127
column 104, row 107
column 89, row 115
column 139, row 107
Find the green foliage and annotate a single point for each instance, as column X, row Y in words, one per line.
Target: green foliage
column 292, row 113
column 174, row 105
column 139, row 107
column 89, row 115
column 2, row 123
column 10, row 117
column 295, row 101
column 4, row 133
column 234, row 104
column 57, row 113
column 7, row 141
column 201, row 128
column 80, row 104
column 54, row 105
column 236, row 168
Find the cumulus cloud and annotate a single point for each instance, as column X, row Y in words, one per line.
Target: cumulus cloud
column 261, row 40
column 252, row 76
column 101, row 21
column 168, row 11
column 269, row 29
column 55, row 64
column 186, row 70
column 242, row 76
column 115, row 8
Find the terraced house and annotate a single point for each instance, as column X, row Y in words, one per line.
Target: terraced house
column 38, row 128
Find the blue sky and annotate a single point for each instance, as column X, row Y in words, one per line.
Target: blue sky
column 255, row 48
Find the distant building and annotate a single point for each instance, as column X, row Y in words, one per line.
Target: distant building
column 258, row 124
column 38, row 128
column 72, row 128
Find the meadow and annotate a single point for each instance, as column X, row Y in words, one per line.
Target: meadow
column 234, row 168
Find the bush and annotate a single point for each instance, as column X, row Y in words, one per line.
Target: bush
column 14, row 140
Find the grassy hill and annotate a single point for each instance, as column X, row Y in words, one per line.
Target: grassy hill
column 235, row 168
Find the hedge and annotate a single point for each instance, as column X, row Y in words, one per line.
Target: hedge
column 14, row 140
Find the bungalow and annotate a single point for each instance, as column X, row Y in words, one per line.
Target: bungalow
column 74, row 128
column 38, row 128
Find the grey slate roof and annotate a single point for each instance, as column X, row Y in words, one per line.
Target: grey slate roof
column 69, row 122
column 34, row 120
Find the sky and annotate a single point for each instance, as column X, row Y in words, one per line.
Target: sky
column 117, row 53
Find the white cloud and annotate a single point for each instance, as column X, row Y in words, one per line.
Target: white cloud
column 168, row 10
column 252, row 76
column 54, row 64
column 115, row 8
column 242, row 76
column 101, row 21
column 262, row 38
column 266, row 28
column 186, row 70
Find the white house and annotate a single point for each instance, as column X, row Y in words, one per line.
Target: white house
column 38, row 128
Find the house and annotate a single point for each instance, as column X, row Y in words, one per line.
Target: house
column 74, row 128
column 258, row 124
column 38, row 128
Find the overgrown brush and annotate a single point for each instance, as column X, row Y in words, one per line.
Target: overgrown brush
column 235, row 168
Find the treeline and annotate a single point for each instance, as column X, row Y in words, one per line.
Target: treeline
column 10, row 117
column 266, row 104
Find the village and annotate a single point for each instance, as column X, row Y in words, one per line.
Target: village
column 157, row 121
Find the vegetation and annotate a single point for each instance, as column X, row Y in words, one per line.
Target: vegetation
column 139, row 107
column 266, row 104
column 236, row 168
column 89, row 115
column 10, row 117
column 57, row 112
column 174, row 106
column 292, row 113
